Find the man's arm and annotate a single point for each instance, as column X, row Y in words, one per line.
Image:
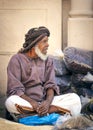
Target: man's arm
column 50, row 81
column 50, row 87
column 31, row 101
column 50, row 95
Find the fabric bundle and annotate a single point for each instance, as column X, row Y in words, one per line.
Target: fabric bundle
column 80, row 63
column 76, row 123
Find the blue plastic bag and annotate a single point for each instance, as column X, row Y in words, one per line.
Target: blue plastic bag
column 40, row 120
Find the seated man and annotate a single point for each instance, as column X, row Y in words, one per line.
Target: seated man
column 31, row 80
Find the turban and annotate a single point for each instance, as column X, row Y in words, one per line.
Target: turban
column 33, row 36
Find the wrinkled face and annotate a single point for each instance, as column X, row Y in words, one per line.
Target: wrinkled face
column 43, row 45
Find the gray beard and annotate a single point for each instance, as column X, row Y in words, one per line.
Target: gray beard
column 40, row 54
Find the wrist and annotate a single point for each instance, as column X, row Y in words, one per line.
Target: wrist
column 48, row 101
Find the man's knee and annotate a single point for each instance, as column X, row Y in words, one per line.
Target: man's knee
column 15, row 99
column 10, row 104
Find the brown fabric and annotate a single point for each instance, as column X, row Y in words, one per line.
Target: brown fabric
column 24, row 109
column 58, row 110
column 28, row 110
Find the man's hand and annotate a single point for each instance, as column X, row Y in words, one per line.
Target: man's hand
column 34, row 105
column 43, row 108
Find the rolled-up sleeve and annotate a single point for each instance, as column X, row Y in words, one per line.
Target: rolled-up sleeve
column 14, row 84
column 50, row 77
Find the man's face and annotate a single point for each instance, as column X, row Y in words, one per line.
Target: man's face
column 43, row 45
column 41, row 48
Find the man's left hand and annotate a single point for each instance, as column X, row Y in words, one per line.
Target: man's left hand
column 43, row 108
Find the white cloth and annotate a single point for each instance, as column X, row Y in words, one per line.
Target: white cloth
column 69, row 101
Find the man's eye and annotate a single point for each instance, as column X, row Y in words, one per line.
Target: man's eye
column 45, row 41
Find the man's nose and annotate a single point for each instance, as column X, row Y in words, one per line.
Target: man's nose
column 47, row 44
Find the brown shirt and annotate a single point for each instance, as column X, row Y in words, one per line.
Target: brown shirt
column 30, row 76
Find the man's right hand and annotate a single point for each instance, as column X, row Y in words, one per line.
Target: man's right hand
column 34, row 104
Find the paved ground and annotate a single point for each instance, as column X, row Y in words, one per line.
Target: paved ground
column 8, row 125
column 2, row 107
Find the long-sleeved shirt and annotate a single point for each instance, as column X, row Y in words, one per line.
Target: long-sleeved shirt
column 30, row 76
